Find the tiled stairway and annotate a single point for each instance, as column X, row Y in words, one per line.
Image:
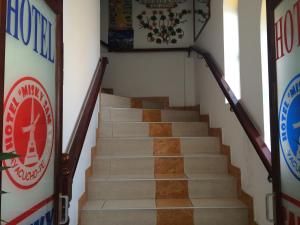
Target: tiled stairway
column 158, row 167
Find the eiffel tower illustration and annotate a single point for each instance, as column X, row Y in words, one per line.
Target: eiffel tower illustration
column 31, row 153
column 296, row 126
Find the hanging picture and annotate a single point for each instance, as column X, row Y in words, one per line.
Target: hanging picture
column 120, row 34
column 150, row 24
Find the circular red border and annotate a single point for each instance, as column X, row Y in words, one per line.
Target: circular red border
column 5, row 102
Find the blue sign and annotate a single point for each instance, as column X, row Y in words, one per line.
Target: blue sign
column 289, row 126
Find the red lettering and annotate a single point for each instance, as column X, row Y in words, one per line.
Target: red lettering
column 32, row 89
column 297, row 9
column 289, row 16
column 36, row 92
column 13, row 162
column 49, row 120
column 12, row 108
column 8, row 130
column 42, row 96
column 9, row 143
column 9, row 118
column 279, row 39
column 24, row 91
column 15, row 102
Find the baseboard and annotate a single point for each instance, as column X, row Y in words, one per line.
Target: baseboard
column 233, row 171
column 83, row 199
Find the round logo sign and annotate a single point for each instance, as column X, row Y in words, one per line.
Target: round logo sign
column 28, row 131
column 289, row 122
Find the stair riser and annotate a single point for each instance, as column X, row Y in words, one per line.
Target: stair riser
column 140, row 115
column 114, row 101
column 213, row 216
column 145, row 166
column 128, row 147
column 146, row 189
column 224, row 217
column 119, row 217
column 123, row 129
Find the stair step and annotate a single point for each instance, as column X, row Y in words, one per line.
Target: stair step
column 197, row 185
column 135, row 165
column 146, row 211
column 146, row 129
column 139, row 115
column 145, row 145
column 108, row 100
column 114, row 101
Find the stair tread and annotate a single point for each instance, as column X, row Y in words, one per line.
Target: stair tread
column 166, row 109
column 144, row 177
column 198, row 155
column 142, row 122
column 151, row 138
column 150, row 204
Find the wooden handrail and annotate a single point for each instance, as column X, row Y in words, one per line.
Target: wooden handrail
column 71, row 157
column 251, row 131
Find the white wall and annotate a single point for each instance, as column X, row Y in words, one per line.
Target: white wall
column 82, row 52
column 254, row 175
column 152, row 74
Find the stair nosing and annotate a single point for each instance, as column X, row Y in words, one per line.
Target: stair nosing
column 110, row 179
column 237, row 205
column 200, row 155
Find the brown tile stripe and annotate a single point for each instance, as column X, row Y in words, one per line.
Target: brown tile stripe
column 171, row 186
column 151, row 115
column 136, row 103
column 169, row 166
column 174, row 216
column 172, row 189
column 160, row 130
column 166, row 146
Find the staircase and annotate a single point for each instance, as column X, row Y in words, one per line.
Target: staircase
column 158, row 167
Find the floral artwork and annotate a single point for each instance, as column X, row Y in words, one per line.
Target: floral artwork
column 163, row 26
column 167, row 4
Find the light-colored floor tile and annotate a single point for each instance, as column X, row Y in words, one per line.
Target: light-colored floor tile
column 114, row 101
column 213, row 188
column 126, row 115
column 121, row 189
column 223, row 216
column 104, row 114
column 179, row 116
column 106, row 129
column 123, row 129
column 218, row 203
column 132, row 166
column 189, row 129
column 125, row 146
column 205, row 163
column 129, row 204
column 93, row 205
column 191, row 145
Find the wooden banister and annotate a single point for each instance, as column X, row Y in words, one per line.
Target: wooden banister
column 251, row 131
column 71, row 157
